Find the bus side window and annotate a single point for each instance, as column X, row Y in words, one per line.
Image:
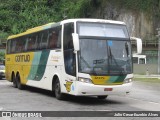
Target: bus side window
column 21, row 44
column 8, row 47
column 38, row 41
column 68, row 42
column 142, row 61
column 25, row 43
column 13, row 46
column 59, row 30
column 44, row 40
column 18, row 46
column 69, row 56
column 54, row 38
column 31, row 43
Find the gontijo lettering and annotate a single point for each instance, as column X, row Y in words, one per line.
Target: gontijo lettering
column 22, row 58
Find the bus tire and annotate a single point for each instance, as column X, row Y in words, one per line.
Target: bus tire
column 19, row 85
column 57, row 90
column 14, row 81
column 102, row 97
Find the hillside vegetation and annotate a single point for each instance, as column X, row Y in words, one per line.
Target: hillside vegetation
column 19, row 15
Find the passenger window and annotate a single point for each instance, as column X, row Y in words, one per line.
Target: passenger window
column 13, row 46
column 20, row 44
column 31, row 43
column 44, row 40
column 54, row 38
column 38, row 40
column 9, row 46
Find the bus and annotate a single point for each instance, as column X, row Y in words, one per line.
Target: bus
column 80, row 57
column 139, row 59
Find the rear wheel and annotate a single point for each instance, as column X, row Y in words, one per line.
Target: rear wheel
column 102, row 97
column 19, row 85
column 57, row 90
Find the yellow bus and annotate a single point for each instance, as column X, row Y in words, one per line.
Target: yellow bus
column 81, row 57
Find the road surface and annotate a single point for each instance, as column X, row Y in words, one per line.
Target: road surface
column 144, row 97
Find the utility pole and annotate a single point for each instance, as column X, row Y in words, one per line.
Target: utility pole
column 158, row 29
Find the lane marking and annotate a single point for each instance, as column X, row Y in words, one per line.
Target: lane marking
column 152, row 102
column 144, row 104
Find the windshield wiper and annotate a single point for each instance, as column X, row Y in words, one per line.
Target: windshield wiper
column 86, row 63
column 127, row 49
column 112, row 57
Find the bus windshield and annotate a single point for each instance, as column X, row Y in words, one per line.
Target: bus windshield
column 105, row 57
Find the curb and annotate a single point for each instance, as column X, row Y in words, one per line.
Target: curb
column 147, row 76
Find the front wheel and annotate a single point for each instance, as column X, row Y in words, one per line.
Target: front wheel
column 57, row 90
column 102, row 97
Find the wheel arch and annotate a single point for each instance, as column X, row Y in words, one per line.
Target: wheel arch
column 54, row 80
column 17, row 73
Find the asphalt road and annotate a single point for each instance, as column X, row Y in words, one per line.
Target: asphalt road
column 144, row 97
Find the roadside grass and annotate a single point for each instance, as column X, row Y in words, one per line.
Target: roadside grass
column 148, row 80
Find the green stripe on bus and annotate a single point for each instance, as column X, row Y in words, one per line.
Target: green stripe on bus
column 116, row 79
column 34, row 67
column 42, row 65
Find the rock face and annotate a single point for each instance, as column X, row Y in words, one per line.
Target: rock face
column 140, row 24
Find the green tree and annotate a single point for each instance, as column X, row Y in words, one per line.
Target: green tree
column 19, row 15
column 2, row 57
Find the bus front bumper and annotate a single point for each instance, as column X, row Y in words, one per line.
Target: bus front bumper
column 87, row 89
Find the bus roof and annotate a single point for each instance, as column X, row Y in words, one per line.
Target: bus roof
column 32, row 30
column 139, row 56
column 49, row 25
column 92, row 20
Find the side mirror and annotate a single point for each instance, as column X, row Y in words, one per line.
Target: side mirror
column 75, row 41
column 139, row 44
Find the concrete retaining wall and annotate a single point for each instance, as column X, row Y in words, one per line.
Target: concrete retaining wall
column 142, row 69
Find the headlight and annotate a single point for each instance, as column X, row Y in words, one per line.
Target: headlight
column 86, row 80
column 127, row 80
